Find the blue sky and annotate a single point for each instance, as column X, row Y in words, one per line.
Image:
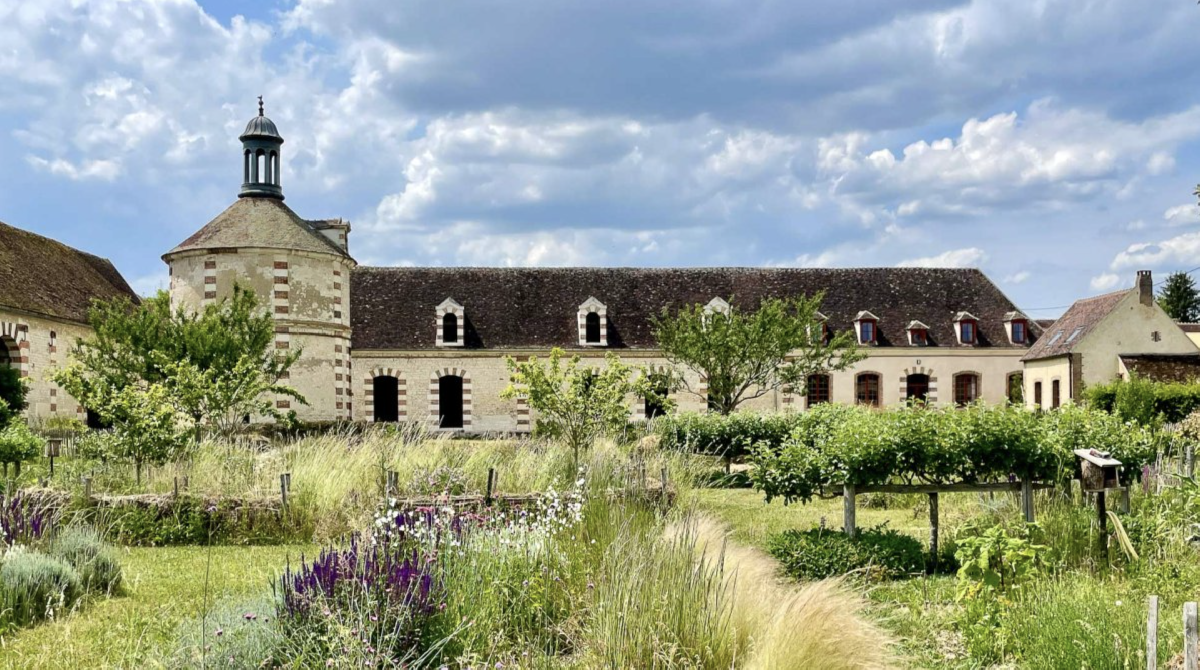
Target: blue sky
column 1052, row 143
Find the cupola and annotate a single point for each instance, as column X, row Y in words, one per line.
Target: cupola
column 260, row 158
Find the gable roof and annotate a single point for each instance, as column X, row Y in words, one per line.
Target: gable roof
column 45, row 276
column 262, row 223
column 1074, row 325
column 393, row 308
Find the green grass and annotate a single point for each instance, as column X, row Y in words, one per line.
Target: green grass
column 163, row 587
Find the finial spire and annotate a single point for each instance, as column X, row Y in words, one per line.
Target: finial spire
column 260, row 106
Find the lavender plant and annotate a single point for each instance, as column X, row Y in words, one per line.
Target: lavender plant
column 22, row 522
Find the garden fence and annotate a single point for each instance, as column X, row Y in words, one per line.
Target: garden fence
column 1191, row 638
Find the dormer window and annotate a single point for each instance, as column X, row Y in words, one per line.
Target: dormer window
column 1017, row 325
column 918, row 334
column 867, row 326
column 967, row 328
column 593, row 323
column 450, row 322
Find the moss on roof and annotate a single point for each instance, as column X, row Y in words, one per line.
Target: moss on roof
column 44, row 276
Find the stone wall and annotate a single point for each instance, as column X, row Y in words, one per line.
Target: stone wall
column 485, row 376
column 308, row 294
column 36, row 345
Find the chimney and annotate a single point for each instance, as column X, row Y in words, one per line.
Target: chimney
column 1145, row 287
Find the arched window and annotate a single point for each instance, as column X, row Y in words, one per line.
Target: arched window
column 916, row 387
column 450, row 401
column 449, row 328
column 866, row 389
column 1037, row 395
column 385, row 394
column 817, row 390
column 966, row 388
column 1055, row 398
column 592, row 328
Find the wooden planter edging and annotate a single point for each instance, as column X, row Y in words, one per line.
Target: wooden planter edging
column 851, row 491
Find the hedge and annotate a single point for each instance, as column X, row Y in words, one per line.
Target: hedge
column 731, row 436
column 836, row 445
column 1145, row 402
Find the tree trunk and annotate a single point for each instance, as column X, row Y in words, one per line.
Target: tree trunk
column 138, row 468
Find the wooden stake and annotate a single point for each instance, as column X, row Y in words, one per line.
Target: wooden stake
column 664, row 479
column 283, row 489
column 392, row 485
column 176, row 486
column 1027, row 499
column 491, row 486
column 1124, row 503
column 848, row 510
column 87, row 488
column 185, row 482
column 1102, row 520
column 1152, row 634
column 1191, row 638
column 933, row 532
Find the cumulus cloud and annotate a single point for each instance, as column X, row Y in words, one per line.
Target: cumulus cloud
column 1017, row 277
column 1105, row 282
column 104, row 170
column 955, row 258
column 1177, row 251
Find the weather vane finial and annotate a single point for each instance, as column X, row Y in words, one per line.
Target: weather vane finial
column 260, row 106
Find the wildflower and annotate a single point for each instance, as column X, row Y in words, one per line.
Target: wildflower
column 248, row 616
column 219, row 632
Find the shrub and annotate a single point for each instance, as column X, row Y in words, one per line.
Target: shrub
column 1143, row 401
column 95, row 561
column 818, row 553
column 18, row 443
column 35, row 586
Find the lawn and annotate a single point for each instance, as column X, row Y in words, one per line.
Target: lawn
column 163, row 587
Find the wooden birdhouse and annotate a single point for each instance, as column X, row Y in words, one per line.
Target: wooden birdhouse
column 53, row 447
column 1097, row 471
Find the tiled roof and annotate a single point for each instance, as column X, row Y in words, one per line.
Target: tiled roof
column 1045, row 323
column 44, row 276
column 1164, row 367
column 1074, row 325
column 1189, row 327
column 262, row 223
column 394, row 308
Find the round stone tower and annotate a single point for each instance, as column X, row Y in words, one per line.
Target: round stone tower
column 300, row 270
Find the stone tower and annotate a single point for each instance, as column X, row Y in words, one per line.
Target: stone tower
column 299, row 269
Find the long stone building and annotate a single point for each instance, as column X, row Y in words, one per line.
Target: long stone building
column 428, row 344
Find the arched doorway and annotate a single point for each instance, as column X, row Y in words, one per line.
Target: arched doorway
column 5, row 358
column 656, row 404
column 450, row 401
column 917, row 387
column 385, row 394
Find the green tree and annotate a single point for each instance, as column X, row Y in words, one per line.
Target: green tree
column 575, row 403
column 743, row 355
column 12, row 394
column 1179, row 298
column 217, row 365
column 18, row 444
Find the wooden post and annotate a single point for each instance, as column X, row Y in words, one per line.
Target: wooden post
column 663, row 480
column 1027, row 499
column 1152, row 634
column 848, row 510
column 392, row 483
column 1124, row 503
column 1102, row 520
column 283, row 489
column 491, row 487
column 1191, row 639
column 87, row 488
column 933, row 532
column 185, row 483
column 177, row 486
column 1189, row 460
column 288, row 480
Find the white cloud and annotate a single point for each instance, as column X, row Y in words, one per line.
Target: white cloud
column 104, row 170
column 1017, row 277
column 1104, row 282
column 1182, row 250
column 1182, row 215
column 955, row 258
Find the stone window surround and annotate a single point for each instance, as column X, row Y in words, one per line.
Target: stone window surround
column 435, row 415
column 449, row 306
column 592, row 306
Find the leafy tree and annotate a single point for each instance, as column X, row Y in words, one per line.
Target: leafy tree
column 744, row 355
column 12, row 394
column 217, row 365
column 576, row 403
column 1179, row 298
column 145, row 419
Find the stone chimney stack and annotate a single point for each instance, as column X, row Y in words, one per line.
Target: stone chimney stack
column 1145, row 287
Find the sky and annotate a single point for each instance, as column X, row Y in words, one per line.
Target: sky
column 1055, row 144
